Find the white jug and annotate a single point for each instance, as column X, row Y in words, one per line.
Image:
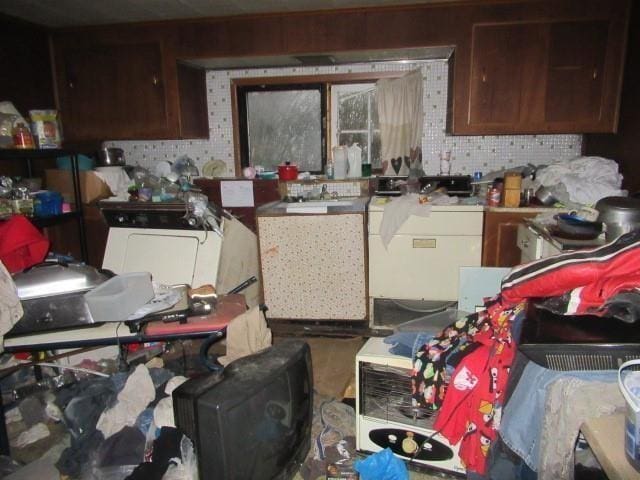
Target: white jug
column 340, row 160
column 354, row 153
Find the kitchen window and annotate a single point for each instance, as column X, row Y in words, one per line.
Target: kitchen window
column 282, row 123
column 355, row 115
column 299, row 122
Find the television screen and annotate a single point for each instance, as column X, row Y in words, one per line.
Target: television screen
column 253, row 421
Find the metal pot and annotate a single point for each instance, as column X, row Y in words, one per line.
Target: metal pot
column 111, row 157
column 544, row 195
column 619, row 214
column 287, row 171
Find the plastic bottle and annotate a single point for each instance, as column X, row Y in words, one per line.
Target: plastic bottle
column 22, row 137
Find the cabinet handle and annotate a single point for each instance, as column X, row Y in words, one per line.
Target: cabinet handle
column 525, row 244
column 595, row 73
column 72, row 85
column 155, row 80
column 484, row 76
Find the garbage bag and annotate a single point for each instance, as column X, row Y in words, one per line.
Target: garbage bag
column 382, row 465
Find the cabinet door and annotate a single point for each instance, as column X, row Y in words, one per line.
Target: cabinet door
column 505, row 61
column 500, row 240
column 113, row 92
column 575, row 72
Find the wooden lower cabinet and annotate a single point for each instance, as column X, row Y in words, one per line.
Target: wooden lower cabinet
column 499, row 241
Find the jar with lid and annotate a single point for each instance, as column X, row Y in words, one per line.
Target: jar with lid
column 22, row 137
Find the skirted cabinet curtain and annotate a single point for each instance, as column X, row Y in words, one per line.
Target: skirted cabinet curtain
column 400, row 114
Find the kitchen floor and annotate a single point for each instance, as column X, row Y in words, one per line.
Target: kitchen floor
column 334, row 376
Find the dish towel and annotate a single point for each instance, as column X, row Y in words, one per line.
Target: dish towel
column 246, row 334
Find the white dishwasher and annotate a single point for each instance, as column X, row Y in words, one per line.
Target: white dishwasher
column 423, row 259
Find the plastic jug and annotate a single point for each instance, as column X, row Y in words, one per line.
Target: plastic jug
column 340, row 159
column 631, row 394
column 354, row 153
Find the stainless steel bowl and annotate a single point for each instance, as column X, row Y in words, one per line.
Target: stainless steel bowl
column 111, row 157
column 544, row 195
column 619, row 214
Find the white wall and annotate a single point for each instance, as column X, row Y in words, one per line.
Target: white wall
column 469, row 153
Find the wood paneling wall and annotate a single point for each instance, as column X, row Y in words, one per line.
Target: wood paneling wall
column 624, row 147
column 25, row 68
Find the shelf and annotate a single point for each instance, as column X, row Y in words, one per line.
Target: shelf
column 12, row 154
column 44, row 222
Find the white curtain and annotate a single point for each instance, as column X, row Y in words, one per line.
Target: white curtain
column 400, row 114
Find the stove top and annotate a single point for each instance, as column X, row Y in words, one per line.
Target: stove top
column 458, row 185
column 165, row 215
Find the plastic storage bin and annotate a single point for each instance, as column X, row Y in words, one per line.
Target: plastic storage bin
column 119, row 297
column 47, row 204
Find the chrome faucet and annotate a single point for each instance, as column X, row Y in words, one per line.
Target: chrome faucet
column 324, row 192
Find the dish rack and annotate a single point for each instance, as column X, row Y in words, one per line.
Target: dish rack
column 386, row 417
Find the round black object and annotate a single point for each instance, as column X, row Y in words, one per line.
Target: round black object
column 575, row 227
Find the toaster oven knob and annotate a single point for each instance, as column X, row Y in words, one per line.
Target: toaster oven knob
column 120, row 218
column 192, row 221
column 46, row 318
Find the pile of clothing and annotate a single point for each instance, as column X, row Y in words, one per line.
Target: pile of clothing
column 117, row 426
column 463, row 372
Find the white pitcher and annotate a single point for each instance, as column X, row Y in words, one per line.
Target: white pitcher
column 354, row 153
column 340, row 165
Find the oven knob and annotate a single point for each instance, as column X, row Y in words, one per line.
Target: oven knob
column 192, row 221
column 120, row 218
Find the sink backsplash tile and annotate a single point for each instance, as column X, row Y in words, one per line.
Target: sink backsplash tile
column 342, row 189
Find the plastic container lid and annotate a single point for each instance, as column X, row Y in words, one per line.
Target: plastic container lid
column 120, row 296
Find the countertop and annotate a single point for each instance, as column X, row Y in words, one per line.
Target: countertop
column 376, row 203
column 342, row 205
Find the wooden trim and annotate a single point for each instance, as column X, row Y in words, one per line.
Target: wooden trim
column 295, row 79
column 324, row 78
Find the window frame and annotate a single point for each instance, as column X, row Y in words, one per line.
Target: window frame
column 239, row 85
column 242, row 93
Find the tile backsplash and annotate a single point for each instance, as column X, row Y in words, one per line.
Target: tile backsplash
column 468, row 153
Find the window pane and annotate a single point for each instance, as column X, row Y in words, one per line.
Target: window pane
column 285, row 126
column 376, row 150
column 349, row 139
column 374, row 109
column 352, row 111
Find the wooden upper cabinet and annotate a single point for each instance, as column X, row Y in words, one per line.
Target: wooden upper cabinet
column 575, row 72
column 120, row 91
column 113, row 90
column 501, row 62
column 553, row 75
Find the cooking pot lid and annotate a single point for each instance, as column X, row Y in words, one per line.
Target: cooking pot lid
column 49, row 279
column 618, row 203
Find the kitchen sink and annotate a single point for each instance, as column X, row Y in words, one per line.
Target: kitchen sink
column 320, row 203
column 318, row 206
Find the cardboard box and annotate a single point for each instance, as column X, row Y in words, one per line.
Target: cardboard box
column 92, row 188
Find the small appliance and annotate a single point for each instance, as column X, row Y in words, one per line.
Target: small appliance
column 458, row 185
column 578, row 342
column 253, row 419
column 385, row 417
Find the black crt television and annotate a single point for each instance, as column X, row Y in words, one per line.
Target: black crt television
column 253, row 420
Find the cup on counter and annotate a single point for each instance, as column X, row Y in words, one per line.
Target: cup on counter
column 527, row 197
column 445, row 163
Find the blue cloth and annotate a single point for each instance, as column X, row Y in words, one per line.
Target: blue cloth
column 407, row 344
column 383, row 465
column 521, row 422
